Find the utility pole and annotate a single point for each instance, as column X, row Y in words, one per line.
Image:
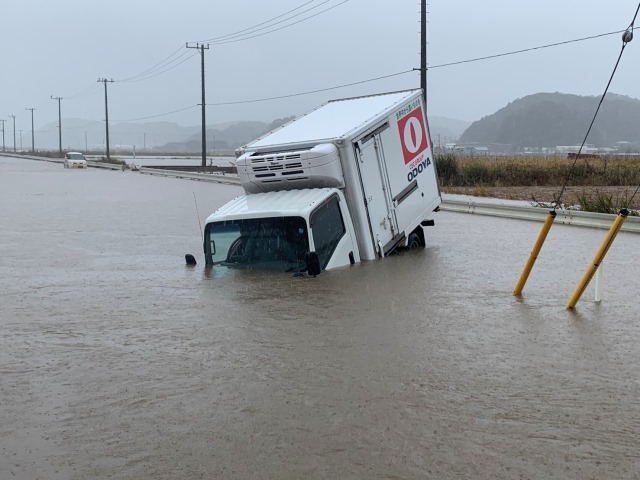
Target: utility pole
column 202, row 48
column 3, row 149
column 423, row 52
column 106, row 111
column 20, row 131
column 33, row 145
column 14, row 132
column 59, row 122
column 144, row 141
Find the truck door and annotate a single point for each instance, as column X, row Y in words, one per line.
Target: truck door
column 376, row 192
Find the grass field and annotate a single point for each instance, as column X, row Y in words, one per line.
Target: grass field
column 603, row 184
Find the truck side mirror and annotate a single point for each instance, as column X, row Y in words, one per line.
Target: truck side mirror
column 313, row 263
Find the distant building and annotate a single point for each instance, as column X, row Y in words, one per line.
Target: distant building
column 566, row 149
column 606, row 150
column 494, row 149
column 501, row 148
column 471, row 149
column 627, row 147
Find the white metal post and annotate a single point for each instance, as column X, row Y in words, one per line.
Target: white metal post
column 598, row 295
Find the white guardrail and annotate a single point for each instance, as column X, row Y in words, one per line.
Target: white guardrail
column 205, row 177
column 108, row 166
column 90, row 163
column 539, row 214
column 520, row 212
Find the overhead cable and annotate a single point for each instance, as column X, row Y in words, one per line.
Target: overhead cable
column 89, row 124
column 159, row 70
column 627, row 36
column 524, row 50
column 233, row 34
column 158, row 115
column 310, row 91
column 248, row 36
column 84, row 93
column 157, row 65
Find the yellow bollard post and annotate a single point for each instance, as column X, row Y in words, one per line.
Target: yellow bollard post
column 597, row 260
column 534, row 253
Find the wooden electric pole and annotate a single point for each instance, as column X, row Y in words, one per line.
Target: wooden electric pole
column 3, row 149
column 14, row 131
column 202, row 48
column 106, row 111
column 423, row 51
column 59, row 122
column 33, row 144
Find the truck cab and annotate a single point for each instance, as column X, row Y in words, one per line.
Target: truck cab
column 269, row 231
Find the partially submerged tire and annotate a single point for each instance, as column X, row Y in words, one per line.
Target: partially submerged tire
column 414, row 241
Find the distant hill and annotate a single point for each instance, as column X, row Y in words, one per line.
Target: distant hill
column 236, row 134
column 445, row 129
column 225, row 138
column 83, row 134
column 551, row 119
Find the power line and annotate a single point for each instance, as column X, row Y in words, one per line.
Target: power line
column 364, row 81
column 158, row 115
column 169, row 60
column 524, row 50
column 138, row 77
column 627, row 36
column 157, row 65
column 311, row 91
column 215, row 39
column 247, row 37
column 89, row 124
column 158, row 71
column 92, row 90
column 251, row 101
column 256, row 100
column 239, row 102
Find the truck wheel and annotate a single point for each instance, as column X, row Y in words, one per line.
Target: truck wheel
column 414, row 241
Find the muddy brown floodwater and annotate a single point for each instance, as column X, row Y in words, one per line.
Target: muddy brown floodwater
column 118, row 361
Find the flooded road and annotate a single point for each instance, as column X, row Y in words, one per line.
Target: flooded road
column 118, row 361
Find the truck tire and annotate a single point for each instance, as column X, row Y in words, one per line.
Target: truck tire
column 414, row 241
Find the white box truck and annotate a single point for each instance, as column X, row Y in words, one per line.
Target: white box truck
column 352, row 180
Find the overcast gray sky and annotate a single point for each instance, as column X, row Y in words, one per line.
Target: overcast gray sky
column 62, row 47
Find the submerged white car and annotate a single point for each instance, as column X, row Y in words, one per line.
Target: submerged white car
column 75, row 160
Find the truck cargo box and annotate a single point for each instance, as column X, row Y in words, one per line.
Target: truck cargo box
column 376, row 147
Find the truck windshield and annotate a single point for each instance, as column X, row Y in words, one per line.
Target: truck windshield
column 275, row 243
